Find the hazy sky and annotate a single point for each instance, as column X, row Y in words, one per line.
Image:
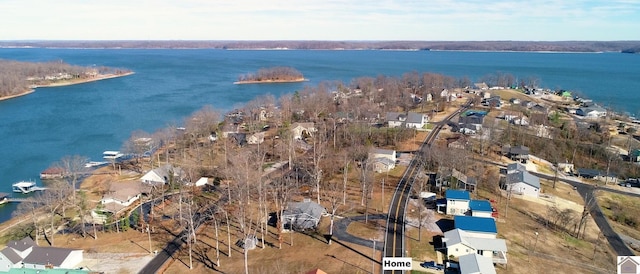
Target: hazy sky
column 549, row 20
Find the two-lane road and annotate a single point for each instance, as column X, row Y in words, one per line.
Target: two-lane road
column 394, row 236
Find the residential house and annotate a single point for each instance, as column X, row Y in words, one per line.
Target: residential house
column 493, row 102
column 410, row 119
column 472, row 120
column 256, row 138
column 524, row 183
column 120, row 196
column 467, row 183
column 26, row 254
column 485, row 95
column 383, row 160
column 516, row 153
column 478, row 227
column 302, row 215
column 240, row 139
column 592, row 112
column 457, row 201
column 515, row 101
column 528, row 104
column 302, row 130
column 600, row 175
column 481, row 208
column 475, row 264
column 162, row 175
column 457, row 142
column 458, row 242
column 515, row 167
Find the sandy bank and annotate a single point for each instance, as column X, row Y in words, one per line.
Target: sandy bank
column 17, row 95
column 269, row 81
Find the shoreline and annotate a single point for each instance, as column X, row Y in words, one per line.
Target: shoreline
column 33, row 88
column 270, row 81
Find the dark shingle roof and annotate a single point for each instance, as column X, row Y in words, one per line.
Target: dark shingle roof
column 22, row 245
column 11, row 255
column 47, row 255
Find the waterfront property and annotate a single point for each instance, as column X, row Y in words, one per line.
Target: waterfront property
column 26, row 187
column 163, row 175
column 121, row 195
column 52, row 173
column 4, row 198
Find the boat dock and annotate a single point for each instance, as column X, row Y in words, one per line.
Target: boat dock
column 26, row 187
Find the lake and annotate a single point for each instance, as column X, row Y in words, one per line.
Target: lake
column 169, row 85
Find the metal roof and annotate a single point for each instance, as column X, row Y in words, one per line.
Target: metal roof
column 474, row 263
column 457, row 194
column 457, row 236
column 480, row 205
column 475, row 224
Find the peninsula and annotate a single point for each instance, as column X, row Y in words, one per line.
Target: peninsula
column 272, row 75
column 21, row 78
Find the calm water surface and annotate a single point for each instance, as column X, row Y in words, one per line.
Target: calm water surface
column 168, row 85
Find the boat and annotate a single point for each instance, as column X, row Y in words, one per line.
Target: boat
column 95, row 164
column 111, row 155
column 4, row 198
column 26, row 187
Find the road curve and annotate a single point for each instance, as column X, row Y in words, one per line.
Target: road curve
column 394, row 237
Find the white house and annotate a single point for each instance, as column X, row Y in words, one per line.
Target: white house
column 301, row 130
column 416, row 120
column 481, row 208
column 383, row 160
column 121, row 195
column 523, row 182
column 162, row 175
column 592, row 112
column 475, row 264
column 457, row 202
column 459, row 243
column 26, row 254
column 396, row 119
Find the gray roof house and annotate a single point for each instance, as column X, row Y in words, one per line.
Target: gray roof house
column 523, row 182
column 592, row 112
column 474, row 263
column 302, row 215
column 410, row 119
column 26, row 254
column 162, row 175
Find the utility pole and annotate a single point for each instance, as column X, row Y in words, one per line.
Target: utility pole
column 149, row 234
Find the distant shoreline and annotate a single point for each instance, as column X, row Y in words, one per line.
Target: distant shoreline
column 32, row 88
column 270, row 81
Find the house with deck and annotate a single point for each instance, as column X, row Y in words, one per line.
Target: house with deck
column 302, row 130
column 458, row 242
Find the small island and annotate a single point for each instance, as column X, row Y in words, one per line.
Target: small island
column 21, row 78
column 272, row 75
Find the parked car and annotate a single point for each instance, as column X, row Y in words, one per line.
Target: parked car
column 432, row 265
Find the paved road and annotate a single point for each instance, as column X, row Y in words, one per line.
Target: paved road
column 394, row 237
column 340, row 231
column 587, row 191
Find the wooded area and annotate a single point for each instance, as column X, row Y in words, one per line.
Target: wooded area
column 18, row 77
column 561, row 46
column 273, row 74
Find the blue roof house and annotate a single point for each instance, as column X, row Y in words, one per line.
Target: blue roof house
column 480, row 208
column 457, row 201
column 478, row 227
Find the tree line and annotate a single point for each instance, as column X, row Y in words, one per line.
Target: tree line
column 272, row 74
column 17, row 77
